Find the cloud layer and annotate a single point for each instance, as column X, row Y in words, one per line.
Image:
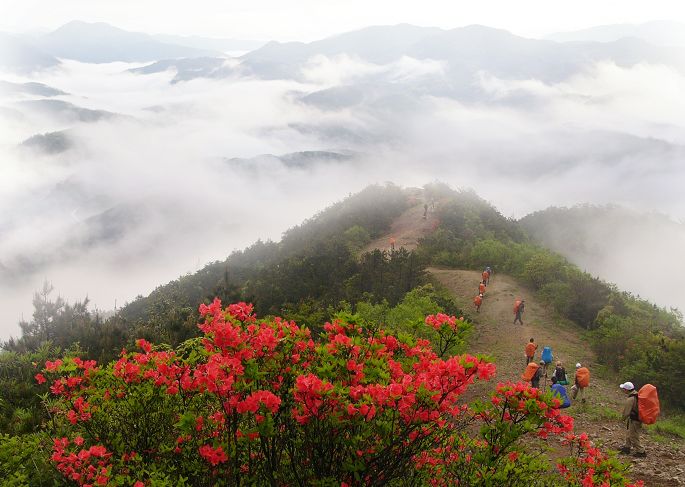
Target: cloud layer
column 146, row 195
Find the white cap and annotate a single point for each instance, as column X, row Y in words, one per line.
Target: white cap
column 628, row 386
column 578, row 365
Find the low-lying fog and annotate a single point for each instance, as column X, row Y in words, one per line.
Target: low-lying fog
column 140, row 180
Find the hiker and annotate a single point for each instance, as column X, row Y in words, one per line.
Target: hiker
column 519, row 306
column 478, row 300
column 532, row 370
column 488, row 269
column 546, row 357
column 581, row 382
column 531, row 347
column 535, row 381
column 425, row 210
column 559, row 391
column 560, row 374
column 392, row 244
column 486, row 277
column 481, row 288
column 633, row 424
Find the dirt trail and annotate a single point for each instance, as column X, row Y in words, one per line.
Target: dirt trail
column 407, row 229
column 496, row 335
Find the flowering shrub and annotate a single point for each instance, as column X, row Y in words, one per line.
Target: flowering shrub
column 260, row 402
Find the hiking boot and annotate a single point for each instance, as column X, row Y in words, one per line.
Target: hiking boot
column 625, row 450
column 640, row 454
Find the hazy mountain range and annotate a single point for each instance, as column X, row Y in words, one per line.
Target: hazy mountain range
column 103, row 43
column 659, row 32
column 453, row 59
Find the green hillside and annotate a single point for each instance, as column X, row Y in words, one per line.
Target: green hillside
column 327, row 268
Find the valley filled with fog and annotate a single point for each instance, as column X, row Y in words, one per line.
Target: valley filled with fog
column 128, row 160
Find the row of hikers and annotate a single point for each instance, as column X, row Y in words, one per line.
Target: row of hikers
column 640, row 407
column 482, row 285
column 519, row 304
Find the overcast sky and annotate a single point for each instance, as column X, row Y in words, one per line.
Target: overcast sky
column 306, row 20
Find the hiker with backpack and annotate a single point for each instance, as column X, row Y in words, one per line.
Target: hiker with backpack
column 535, row 381
column 581, row 382
column 478, row 300
column 486, row 277
column 531, row 347
column 640, row 407
column 530, row 374
column 559, row 391
column 488, row 269
column 631, row 417
column 519, row 306
column 481, row 288
column 547, row 357
column 560, row 374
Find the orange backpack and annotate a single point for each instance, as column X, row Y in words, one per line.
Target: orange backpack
column 647, row 404
column 530, row 349
column 517, row 304
column 528, row 374
column 583, row 377
column 477, row 300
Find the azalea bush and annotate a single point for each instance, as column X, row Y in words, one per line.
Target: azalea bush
column 260, row 402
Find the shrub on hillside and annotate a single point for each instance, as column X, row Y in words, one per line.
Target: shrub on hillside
column 260, row 402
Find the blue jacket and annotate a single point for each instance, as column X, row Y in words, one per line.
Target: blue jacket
column 560, row 391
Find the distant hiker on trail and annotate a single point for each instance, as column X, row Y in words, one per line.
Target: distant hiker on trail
column 486, row 277
column 581, row 382
column 519, row 306
column 392, row 244
column 633, row 424
column 560, row 374
column 478, row 300
column 488, row 269
column 425, row 210
column 559, row 391
column 531, row 347
column 535, row 381
column 481, row 288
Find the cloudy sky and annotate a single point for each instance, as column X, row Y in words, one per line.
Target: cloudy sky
column 306, row 20
column 149, row 193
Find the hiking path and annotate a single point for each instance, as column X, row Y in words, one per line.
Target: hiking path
column 496, row 336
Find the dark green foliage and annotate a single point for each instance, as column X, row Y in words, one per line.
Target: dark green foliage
column 24, row 461
column 21, row 408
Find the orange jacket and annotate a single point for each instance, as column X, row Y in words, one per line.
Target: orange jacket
column 530, row 349
column 486, row 275
column 481, row 288
column 477, row 300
